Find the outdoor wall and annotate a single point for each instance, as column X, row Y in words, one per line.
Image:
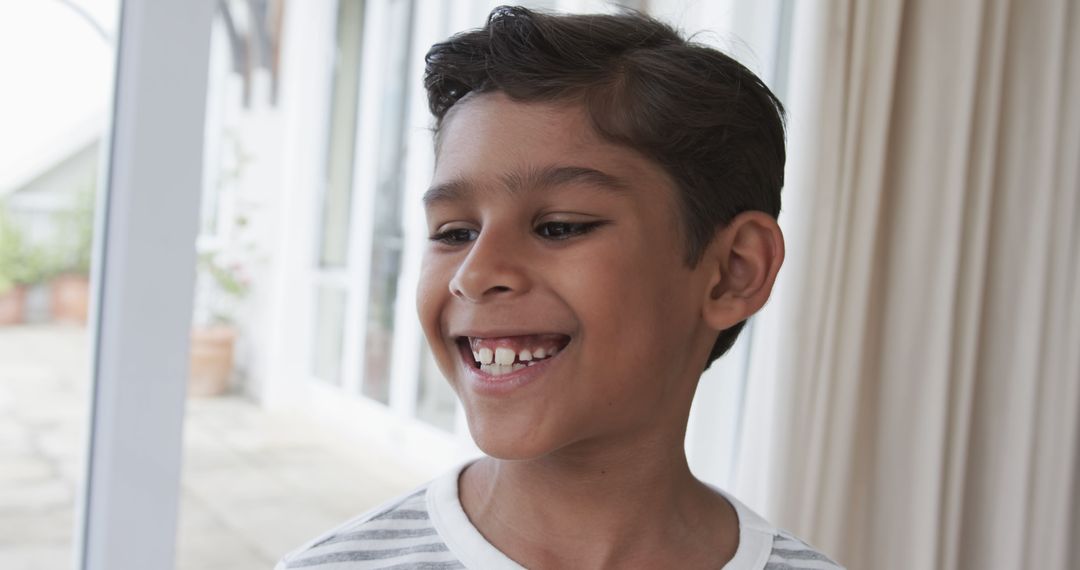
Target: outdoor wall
column 35, row 204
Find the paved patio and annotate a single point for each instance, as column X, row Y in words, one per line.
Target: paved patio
column 255, row 484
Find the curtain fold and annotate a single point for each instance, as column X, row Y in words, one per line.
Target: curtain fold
column 919, row 364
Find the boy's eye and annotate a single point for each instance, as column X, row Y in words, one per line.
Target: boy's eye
column 546, row 230
column 563, row 230
column 456, row 236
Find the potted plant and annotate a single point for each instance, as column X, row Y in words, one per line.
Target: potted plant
column 229, row 255
column 222, row 288
column 21, row 265
column 69, row 285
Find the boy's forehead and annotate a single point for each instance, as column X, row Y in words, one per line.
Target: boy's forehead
column 494, row 113
column 490, row 136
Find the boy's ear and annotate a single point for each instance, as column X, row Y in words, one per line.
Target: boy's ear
column 742, row 260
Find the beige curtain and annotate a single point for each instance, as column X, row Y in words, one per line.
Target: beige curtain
column 915, row 382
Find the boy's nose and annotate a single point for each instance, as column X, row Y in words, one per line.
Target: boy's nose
column 491, row 270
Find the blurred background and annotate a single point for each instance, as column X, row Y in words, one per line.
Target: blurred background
column 208, row 343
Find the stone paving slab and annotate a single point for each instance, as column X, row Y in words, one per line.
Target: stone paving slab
column 254, row 485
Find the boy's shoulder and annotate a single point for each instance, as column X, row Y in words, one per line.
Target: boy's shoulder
column 790, row 553
column 397, row 534
column 764, row 546
column 427, row 528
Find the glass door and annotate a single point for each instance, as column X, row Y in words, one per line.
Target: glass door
column 56, row 60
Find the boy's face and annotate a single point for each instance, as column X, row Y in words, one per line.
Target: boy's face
column 549, row 239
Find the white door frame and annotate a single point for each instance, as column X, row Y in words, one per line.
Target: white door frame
column 143, row 280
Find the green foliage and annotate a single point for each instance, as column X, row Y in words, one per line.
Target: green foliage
column 74, row 244
column 230, row 286
column 227, row 255
column 227, row 279
column 21, row 263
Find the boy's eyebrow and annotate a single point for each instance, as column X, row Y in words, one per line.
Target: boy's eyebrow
column 449, row 191
column 546, row 177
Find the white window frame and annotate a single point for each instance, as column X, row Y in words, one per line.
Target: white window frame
column 426, row 447
column 143, row 285
column 290, row 380
column 373, row 75
column 342, row 278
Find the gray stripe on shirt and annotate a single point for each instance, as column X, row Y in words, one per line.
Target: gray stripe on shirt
column 380, row 534
column 360, row 555
column 402, row 514
column 802, row 554
column 779, row 566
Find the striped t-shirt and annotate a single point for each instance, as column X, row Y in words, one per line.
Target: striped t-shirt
column 428, row 529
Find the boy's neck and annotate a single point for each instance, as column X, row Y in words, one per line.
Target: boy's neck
column 590, row 507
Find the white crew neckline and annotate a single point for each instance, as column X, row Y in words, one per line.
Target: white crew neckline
column 474, row 551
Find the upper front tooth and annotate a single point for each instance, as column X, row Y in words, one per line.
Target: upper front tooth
column 476, row 355
column 539, row 353
column 525, row 355
column 504, row 355
column 485, row 356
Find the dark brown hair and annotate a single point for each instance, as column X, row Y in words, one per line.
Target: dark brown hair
column 708, row 121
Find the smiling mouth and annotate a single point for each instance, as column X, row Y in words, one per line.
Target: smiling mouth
column 498, row 356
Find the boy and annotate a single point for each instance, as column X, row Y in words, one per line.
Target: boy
column 603, row 221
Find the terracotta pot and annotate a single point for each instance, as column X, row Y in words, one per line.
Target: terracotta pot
column 13, row 306
column 211, row 361
column 69, row 297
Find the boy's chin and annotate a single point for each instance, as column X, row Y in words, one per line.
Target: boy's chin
column 509, row 453
column 510, row 444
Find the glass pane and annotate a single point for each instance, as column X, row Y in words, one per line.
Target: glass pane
column 265, row 466
column 388, row 235
column 334, row 240
column 57, row 63
column 436, row 402
column 378, row 347
column 329, row 331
